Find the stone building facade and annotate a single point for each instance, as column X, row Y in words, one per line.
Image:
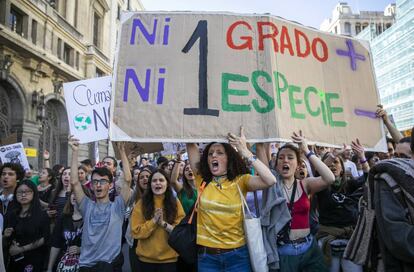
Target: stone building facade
column 43, row 44
column 346, row 22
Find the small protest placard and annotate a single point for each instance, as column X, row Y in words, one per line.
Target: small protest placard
column 87, row 105
column 14, row 153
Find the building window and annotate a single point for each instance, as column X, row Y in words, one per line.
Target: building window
column 118, row 16
column 357, row 28
column 379, row 28
column 77, row 60
column 96, row 29
column 59, row 48
column 59, row 6
column 34, row 31
column 336, row 30
column 68, row 54
column 364, row 25
column 99, row 73
column 16, row 21
column 347, row 28
column 75, row 20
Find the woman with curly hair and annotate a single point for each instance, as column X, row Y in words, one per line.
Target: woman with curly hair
column 153, row 218
column 220, row 234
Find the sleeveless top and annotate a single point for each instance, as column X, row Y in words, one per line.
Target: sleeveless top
column 301, row 209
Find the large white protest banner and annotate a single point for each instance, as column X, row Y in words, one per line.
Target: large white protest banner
column 193, row 77
column 14, row 153
column 87, row 105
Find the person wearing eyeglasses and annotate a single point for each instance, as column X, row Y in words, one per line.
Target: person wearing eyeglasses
column 103, row 219
column 26, row 230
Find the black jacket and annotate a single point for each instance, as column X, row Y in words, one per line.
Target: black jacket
column 395, row 233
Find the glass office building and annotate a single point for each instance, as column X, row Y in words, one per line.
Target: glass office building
column 393, row 55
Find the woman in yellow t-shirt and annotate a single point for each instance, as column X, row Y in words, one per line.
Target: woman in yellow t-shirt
column 152, row 219
column 220, row 235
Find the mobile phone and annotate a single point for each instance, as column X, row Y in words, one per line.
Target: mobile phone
column 52, row 207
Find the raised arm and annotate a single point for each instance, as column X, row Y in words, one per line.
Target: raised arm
column 174, row 176
column 264, row 178
column 46, row 157
column 395, row 134
column 74, row 178
column 359, row 150
column 193, row 156
column 314, row 184
column 126, row 180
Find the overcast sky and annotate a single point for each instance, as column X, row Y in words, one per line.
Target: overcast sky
column 306, row 12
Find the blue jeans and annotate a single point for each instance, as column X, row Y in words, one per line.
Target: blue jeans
column 233, row 261
column 302, row 257
column 295, row 249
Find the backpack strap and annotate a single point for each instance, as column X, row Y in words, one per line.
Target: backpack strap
column 397, row 191
column 202, row 187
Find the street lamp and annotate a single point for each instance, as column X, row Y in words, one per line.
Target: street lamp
column 41, row 107
column 35, row 98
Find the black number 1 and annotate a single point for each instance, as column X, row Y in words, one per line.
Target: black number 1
column 200, row 33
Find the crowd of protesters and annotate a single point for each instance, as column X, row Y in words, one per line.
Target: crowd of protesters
column 321, row 208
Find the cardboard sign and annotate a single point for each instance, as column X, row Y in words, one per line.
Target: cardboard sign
column 194, row 77
column 12, row 139
column 135, row 149
column 14, row 153
column 87, row 105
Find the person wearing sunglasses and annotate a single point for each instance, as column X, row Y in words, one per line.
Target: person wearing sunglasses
column 103, row 219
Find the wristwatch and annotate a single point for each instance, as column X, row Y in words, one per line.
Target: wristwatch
column 165, row 225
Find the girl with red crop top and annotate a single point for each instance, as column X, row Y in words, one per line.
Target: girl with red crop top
column 298, row 251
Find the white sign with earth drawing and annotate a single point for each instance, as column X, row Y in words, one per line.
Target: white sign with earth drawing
column 14, row 153
column 87, row 105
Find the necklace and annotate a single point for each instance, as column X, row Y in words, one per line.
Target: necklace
column 216, row 179
column 287, row 187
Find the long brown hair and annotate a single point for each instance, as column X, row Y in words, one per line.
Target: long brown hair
column 59, row 187
column 170, row 201
column 187, row 187
column 343, row 178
